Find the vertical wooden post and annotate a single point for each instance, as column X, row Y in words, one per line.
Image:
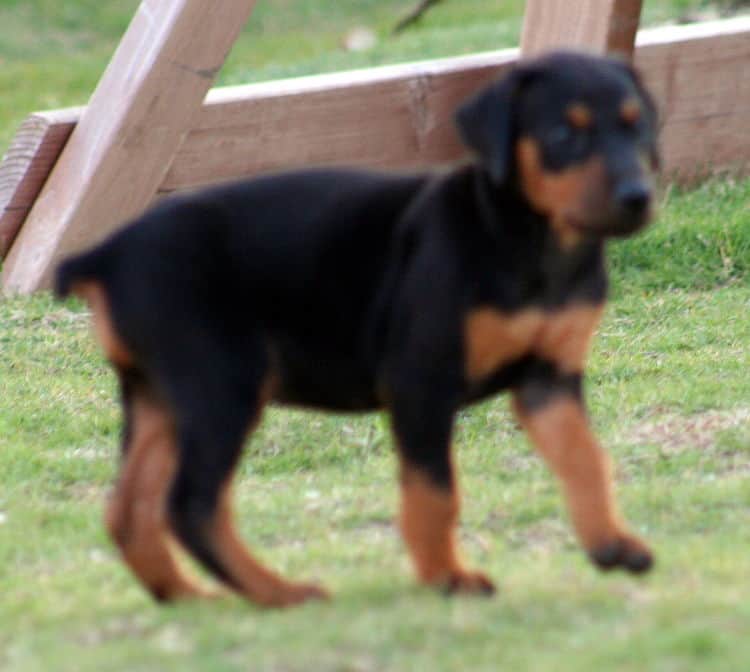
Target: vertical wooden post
column 603, row 26
column 124, row 143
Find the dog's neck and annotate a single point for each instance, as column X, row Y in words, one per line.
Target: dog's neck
column 511, row 222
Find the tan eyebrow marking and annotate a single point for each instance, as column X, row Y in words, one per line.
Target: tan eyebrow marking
column 579, row 115
column 630, row 111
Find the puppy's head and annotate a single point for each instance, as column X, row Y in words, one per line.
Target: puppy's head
column 576, row 134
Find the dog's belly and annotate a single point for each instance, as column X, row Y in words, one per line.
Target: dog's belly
column 324, row 381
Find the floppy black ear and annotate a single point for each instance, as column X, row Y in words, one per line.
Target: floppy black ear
column 485, row 123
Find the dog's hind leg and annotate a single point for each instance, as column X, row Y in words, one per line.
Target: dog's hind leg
column 136, row 515
column 217, row 405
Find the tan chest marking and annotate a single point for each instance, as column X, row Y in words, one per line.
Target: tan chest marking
column 494, row 339
column 566, row 336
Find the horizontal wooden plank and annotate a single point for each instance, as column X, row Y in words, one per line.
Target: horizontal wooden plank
column 700, row 76
column 401, row 116
column 391, row 117
column 27, row 163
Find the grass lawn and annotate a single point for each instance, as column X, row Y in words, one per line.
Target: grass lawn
column 668, row 389
column 669, row 395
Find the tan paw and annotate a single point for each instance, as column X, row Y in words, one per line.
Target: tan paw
column 298, row 593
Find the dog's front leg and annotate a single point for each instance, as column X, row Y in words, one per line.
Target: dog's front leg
column 549, row 406
column 422, row 424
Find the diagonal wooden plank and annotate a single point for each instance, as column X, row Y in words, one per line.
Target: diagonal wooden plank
column 124, row 144
column 27, row 164
column 595, row 25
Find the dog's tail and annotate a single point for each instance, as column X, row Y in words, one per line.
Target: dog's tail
column 82, row 268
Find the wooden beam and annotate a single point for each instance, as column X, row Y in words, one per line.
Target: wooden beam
column 137, row 118
column 603, row 26
column 27, row 164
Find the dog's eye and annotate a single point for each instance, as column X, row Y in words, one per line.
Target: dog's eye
column 637, row 126
column 567, row 140
column 560, row 135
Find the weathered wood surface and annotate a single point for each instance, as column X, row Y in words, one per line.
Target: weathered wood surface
column 119, row 152
column 700, row 76
column 391, row 117
column 595, row 25
column 27, row 164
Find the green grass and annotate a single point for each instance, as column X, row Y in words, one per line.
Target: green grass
column 668, row 391
column 701, row 242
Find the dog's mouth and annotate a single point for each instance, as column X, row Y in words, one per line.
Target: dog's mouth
column 613, row 226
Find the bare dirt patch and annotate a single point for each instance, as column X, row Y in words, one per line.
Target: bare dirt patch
column 674, row 433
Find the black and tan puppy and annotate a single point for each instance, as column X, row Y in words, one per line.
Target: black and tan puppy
column 351, row 291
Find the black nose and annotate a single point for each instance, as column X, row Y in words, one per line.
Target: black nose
column 633, row 197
